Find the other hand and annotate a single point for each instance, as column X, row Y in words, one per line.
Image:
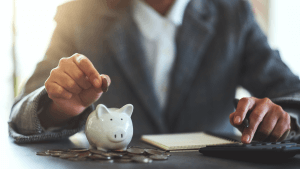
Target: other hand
column 267, row 121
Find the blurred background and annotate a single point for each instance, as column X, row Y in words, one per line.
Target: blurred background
column 25, row 44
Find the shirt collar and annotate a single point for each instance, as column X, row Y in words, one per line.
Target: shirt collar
column 149, row 21
column 175, row 14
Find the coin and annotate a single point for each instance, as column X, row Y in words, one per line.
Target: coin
column 158, row 157
column 84, row 154
column 56, row 150
column 104, row 85
column 96, row 151
column 141, row 159
column 132, row 154
column 114, row 155
column 43, row 154
column 78, row 149
column 153, row 151
column 69, row 155
column 55, row 154
column 98, row 157
column 135, row 150
column 126, row 157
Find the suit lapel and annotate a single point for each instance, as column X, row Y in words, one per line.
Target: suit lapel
column 124, row 41
column 192, row 39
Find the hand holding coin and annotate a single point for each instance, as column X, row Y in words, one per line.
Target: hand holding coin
column 72, row 86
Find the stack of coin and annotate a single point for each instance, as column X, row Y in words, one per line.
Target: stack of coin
column 132, row 154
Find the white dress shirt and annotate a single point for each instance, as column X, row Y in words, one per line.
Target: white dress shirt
column 158, row 38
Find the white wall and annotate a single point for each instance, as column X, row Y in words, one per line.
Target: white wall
column 35, row 25
column 284, row 31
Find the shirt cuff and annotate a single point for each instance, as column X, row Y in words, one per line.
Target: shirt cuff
column 294, row 134
column 50, row 129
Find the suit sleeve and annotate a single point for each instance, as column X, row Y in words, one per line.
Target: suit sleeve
column 263, row 73
column 24, row 125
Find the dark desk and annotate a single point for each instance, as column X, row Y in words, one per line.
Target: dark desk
column 23, row 156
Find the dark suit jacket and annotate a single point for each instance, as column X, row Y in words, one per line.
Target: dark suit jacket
column 219, row 46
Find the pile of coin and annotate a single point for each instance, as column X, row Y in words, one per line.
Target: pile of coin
column 132, row 154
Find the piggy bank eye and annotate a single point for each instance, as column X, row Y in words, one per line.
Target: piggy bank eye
column 121, row 119
column 110, row 119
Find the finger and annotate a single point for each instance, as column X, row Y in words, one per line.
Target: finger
column 244, row 105
column 56, row 91
column 86, row 66
column 239, row 127
column 282, row 126
column 77, row 75
column 65, row 81
column 266, row 127
column 255, row 118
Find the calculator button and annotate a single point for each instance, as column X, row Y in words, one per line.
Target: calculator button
column 256, row 144
column 276, row 142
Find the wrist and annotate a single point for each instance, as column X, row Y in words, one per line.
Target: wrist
column 52, row 116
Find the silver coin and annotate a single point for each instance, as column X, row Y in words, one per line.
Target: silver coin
column 98, row 157
column 158, row 157
column 126, row 157
column 78, row 149
column 96, row 151
column 43, row 154
column 114, row 155
column 55, row 154
column 56, row 151
column 70, row 155
column 136, row 150
column 153, row 151
column 141, row 159
column 135, row 147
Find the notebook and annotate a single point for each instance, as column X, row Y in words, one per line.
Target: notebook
column 185, row 141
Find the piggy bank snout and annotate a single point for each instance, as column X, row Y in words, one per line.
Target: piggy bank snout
column 117, row 135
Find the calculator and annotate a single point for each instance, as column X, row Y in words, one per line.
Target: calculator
column 254, row 150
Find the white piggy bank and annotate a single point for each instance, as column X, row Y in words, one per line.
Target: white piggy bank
column 109, row 128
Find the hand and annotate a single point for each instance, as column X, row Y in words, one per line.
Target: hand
column 73, row 86
column 267, row 121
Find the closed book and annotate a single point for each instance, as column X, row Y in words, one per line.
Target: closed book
column 185, row 141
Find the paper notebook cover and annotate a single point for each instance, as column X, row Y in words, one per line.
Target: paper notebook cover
column 184, row 141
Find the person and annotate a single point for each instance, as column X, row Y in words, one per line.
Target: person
column 178, row 62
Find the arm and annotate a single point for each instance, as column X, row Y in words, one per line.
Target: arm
column 265, row 76
column 39, row 106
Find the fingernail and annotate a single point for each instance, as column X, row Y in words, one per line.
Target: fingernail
column 96, row 83
column 247, row 138
column 79, row 58
column 237, row 120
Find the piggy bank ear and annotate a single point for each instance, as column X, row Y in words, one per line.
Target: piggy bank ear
column 128, row 109
column 101, row 109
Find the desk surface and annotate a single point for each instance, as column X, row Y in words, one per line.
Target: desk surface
column 23, row 156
